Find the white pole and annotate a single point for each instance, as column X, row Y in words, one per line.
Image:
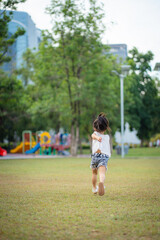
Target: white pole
column 122, row 117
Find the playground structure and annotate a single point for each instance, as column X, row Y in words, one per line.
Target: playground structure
column 27, row 143
column 43, row 143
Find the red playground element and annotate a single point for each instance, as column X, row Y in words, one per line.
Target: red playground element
column 3, row 152
column 56, row 147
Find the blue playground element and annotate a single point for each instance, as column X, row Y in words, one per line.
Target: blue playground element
column 33, row 150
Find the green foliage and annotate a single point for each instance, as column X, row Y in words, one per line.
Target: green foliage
column 100, row 93
column 77, row 37
column 69, row 81
column 83, row 62
column 98, row 88
column 13, row 100
column 142, row 106
column 25, row 71
column 5, row 39
column 155, row 138
column 39, row 69
column 13, row 103
column 71, row 74
column 11, row 4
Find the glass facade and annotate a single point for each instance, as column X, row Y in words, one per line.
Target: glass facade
column 30, row 39
column 119, row 50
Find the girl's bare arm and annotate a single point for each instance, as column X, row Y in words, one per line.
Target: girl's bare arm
column 95, row 137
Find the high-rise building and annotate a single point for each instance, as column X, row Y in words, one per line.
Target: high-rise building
column 119, row 50
column 30, row 39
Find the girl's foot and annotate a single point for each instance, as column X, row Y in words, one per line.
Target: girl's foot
column 101, row 189
column 95, row 190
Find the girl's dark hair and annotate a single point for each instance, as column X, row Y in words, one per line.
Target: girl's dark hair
column 101, row 123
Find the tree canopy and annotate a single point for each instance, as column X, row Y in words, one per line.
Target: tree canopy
column 142, row 108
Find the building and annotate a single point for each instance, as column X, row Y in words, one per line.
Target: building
column 30, row 39
column 157, row 67
column 119, row 50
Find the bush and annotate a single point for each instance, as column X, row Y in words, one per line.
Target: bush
column 85, row 146
column 7, row 146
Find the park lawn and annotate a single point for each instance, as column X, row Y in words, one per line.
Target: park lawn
column 52, row 199
column 136, row 152
column 144, row 152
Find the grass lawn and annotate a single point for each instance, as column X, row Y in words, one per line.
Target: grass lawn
column 51, row 199
column 144, row 152
column 135, row 152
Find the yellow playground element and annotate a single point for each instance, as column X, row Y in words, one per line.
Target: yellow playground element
column 45, row 138
column 19, row 148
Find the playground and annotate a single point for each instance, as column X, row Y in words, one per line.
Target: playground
column 51, row 198
column 43, row 144
column 40, row 143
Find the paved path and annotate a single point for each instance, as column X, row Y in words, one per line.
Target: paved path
column 36, row 156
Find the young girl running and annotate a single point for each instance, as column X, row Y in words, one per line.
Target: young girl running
column 100, row 152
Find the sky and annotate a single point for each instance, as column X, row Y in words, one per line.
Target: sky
column 133, row 22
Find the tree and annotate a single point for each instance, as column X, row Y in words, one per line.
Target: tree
column 13, row 104
column 71, row 75
column 100, row 93
column 142, row 106
column 39, row 69
column 77, row 35
column 5, row 39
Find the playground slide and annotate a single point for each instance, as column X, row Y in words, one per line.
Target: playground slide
column 33, row 150
column 18, row 149
column 3, row 152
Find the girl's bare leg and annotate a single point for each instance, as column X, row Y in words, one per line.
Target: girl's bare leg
column 94, row 177
column 102, row 175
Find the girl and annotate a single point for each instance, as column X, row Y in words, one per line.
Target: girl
column 100, row 152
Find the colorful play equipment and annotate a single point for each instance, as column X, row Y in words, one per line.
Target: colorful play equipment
column 43, row 143
column 34, row 149
column 3, row 152
column 26, row 139
column 27, row 143
column 19, row 148
column 60, row 143
column 44, row 138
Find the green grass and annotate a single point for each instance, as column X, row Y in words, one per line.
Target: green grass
column 136, row 152
column 145, row 152
column 52, row 199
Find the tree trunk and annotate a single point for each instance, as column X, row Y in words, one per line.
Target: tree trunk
column 80, row 146
column 90, row 141
column 74, row 139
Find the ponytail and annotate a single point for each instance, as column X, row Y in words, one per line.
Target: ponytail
column 101, row 123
